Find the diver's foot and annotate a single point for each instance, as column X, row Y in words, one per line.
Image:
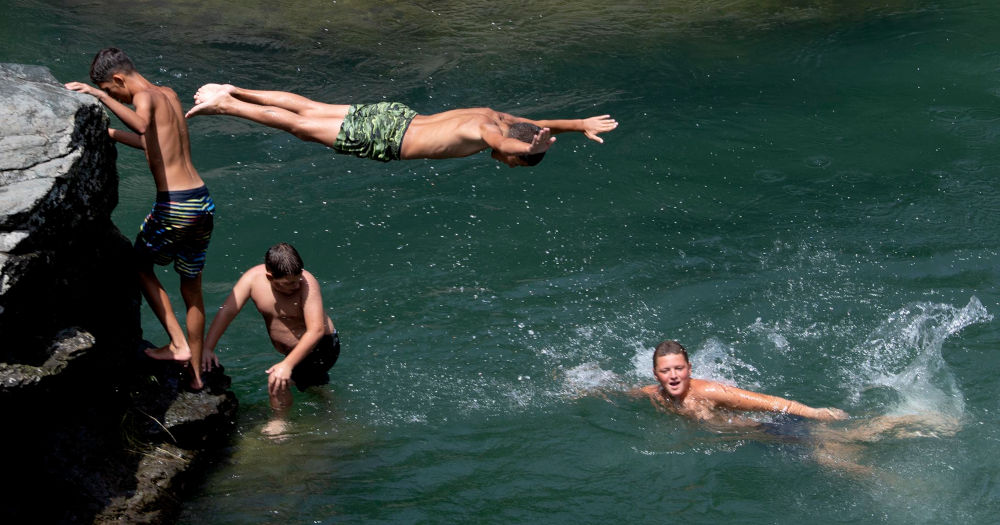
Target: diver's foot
column 211, row 100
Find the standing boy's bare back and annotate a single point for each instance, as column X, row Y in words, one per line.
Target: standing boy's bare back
column 159, row 124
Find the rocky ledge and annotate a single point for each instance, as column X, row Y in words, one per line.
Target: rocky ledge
column 94, row 431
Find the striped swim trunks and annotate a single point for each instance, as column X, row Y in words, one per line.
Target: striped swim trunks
column 178, row 229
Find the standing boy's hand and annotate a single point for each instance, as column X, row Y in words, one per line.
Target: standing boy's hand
column 86, row 89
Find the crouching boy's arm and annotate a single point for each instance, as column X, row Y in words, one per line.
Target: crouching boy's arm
column 227, row 312
column 279, row 375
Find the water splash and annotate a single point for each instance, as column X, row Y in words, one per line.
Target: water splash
column 900, row 368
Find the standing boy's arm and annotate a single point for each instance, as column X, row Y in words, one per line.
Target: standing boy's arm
column 227, row 312
column 137, row 120
column 312, row 311
column 127, row 138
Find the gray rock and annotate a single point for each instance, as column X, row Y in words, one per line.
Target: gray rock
column 112, row 434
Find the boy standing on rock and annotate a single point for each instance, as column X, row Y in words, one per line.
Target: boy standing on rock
column 179, row 227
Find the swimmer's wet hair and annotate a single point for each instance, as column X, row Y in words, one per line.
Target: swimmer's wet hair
column 282, row 259
column 525, row 132
column 669, row 348
column 109, row 61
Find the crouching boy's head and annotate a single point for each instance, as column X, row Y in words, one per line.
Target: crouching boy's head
column 284, row 268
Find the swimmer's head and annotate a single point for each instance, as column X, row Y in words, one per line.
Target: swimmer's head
column 109, row 61
column 669, row 348
column 525, row 132
column 672, row 369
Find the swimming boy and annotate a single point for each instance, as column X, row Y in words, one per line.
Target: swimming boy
column 288, row 298
column 179, row 227
column 836, row 447
column 708, row 401
column 392, row 131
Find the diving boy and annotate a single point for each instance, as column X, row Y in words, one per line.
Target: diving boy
column 392, row 131
column 288, row 298
column 180, row 224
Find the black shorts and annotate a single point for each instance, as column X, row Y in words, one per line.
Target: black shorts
column 313, row 369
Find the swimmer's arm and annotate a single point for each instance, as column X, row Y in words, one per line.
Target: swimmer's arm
column 590, row 127
column 227, row 312
column 739, row 399
column 315, row 319
column 491, row 135
column 643, row 391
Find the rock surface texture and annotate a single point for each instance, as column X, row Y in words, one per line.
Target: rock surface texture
column 86, row 433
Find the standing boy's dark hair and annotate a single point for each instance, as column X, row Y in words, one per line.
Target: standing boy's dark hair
column 282, row 259
column 668, row 348
column 525, row 132
column 109, row 61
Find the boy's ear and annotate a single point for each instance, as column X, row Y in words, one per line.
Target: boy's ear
column 118, row 79
column 268, row 275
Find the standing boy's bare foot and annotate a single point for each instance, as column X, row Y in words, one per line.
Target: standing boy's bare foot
column 169, row 353
column 196, row 384
column 211, row 99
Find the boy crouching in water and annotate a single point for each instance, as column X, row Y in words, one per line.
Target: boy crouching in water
column 180, row 225
column 288, row 298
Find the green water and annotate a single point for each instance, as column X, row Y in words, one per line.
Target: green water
column 802, row 192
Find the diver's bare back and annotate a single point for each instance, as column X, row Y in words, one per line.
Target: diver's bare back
column 455, row 133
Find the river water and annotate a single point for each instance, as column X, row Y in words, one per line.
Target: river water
column 802, row 192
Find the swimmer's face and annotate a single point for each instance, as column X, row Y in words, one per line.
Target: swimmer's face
column 674, row 374
column 508, row 159
column 285, row 285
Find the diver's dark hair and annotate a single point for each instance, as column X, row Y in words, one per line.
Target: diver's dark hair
column 282, row 259
column 525, row 132
column 109, row 61
column 669, row 348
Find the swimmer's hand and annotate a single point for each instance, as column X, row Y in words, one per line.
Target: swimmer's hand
column 594, row 125
column 830, row 414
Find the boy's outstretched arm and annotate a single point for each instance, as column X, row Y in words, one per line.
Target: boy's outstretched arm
column 227, row 312
column 739, row 399
column 590, row 127
column 493, row 138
